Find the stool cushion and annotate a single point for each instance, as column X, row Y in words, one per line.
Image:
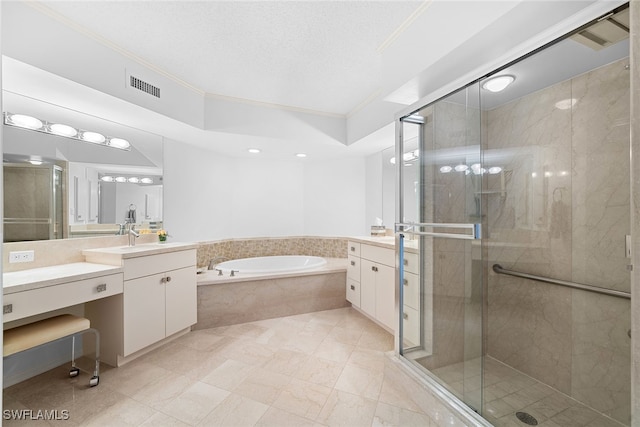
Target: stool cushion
column 43, row 331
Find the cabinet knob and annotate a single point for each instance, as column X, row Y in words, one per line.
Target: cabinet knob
column 353, row 288
column 353, row 263
column 163, row 280
column 7, row 309
column 168, row 278
column 405, row 316
column 374, row 268
column 101, row 287
column 353, row 248
column 406, row 262
column 405, row 282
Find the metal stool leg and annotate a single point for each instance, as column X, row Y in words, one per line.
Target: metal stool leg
column 74, row 371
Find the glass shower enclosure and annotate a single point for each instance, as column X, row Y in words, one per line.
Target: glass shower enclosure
column 517, row 205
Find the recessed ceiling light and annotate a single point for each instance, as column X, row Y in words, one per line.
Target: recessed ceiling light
column 25, row 121
column 95, row 137
column 253, row 150
column 301, row 155
column 63, row 130
column 498, row 83
column 123, row 144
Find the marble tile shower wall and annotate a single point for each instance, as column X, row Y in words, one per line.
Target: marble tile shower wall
column 562, row 210
column 245, row 248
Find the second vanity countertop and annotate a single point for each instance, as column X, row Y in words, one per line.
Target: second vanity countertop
column 124, row 252
column 388, row 242
column 25, row 280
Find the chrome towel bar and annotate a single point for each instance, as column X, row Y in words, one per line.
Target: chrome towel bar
column 498, row 269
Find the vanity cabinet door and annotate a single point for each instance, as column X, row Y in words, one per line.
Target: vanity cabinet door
column 385, row 296
column 181, row 299
column 368, row 287
column 144, row 312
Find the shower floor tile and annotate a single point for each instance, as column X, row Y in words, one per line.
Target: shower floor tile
column 261, row 373
column 508, row 391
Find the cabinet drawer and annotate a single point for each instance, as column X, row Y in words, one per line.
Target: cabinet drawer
column 379, row 255
column 353, row 268
column 412, row 262
column 152, row 264
column 411, row 289
column 353, row 292
column 36, row 301
column 411, row 326
column 353, row 249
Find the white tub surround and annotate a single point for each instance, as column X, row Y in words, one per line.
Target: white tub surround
column 225, row 300
column 158, row 302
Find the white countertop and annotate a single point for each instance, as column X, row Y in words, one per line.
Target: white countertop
column 210, row 277
column 19, row 281
column 141, row 249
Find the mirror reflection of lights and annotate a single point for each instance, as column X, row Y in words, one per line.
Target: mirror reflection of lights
column 32, row 123
column 146, row 181
column 36, row 162
column 446, row 169
column 566, row 104
column 494, row 170
column 548, row 174
column 461, row 168
column 133, row 180
column 124, row 179
column 121, row 179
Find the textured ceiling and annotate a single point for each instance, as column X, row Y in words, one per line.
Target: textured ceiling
column 318, row 55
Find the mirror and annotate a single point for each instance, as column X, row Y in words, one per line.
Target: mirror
column 63, row 187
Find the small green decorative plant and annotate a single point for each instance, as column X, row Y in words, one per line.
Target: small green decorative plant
column 162, row 235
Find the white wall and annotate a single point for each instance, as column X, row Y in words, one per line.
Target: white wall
column 208, row 196
column 335, row 197
column 197, row 193
column 267, row 198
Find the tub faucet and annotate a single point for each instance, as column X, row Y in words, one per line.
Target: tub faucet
column 133, row 234
column 215, row 261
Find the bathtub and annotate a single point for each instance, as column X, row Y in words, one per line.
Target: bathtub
column 272, row 264
column 268, row 287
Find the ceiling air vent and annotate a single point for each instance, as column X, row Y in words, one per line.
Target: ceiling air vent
column 144, row 86
column 607, row 31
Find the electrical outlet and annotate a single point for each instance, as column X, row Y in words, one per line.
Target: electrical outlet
column 21, row 256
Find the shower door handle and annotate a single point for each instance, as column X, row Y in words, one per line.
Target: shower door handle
column 416, row 228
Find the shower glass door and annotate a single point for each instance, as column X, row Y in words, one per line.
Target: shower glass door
column 440, row 221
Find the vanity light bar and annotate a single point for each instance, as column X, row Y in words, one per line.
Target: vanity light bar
column 125, row 179
column 31, row 123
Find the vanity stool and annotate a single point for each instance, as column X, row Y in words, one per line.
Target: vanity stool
column 47, row 331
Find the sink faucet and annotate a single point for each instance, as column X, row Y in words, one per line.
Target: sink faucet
column 133, row 234
column 215, row 261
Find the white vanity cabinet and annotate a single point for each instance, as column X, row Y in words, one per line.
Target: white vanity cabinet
column 411, row 292
column 374, row 281
column 159, row 297
column 159, row 300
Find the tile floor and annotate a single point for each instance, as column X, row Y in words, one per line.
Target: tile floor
column 326, row 368
column 507, row 391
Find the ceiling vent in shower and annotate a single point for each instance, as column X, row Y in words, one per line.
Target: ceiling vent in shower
column 143, row 86
column 607, row 31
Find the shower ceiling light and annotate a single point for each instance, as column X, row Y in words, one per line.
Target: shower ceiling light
column 32, row 123
column 498, row 83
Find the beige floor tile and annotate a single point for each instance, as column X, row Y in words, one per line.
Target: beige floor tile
column 359, row 381
column 334, row 350
column 195, row 403
column 304, row 342
column 237, row 411
column 248, row 351
column 245, row 330
column 229, row 374
column 158, row 394
column 376, row 339
column 163, row 420
column 319, row 371
column 346, row 409
column 388, row 415
column 369, row 359
column 275, row 417
column 133, row 377
column 303, row 398
column 392, row 393
column 286, row 362
column 127, row 412
column 263, row 386
column 345, row 335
